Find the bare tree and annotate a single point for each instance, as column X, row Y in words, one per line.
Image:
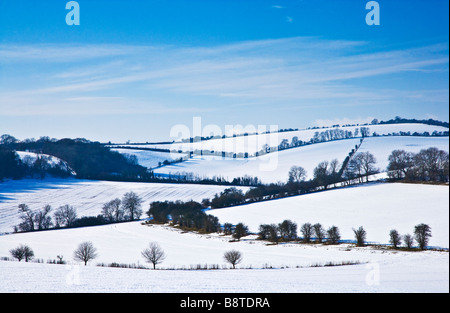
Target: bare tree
column 288, row 230
column 422, row 233
column 269, row 232
column 85, row 252
column 400, row 164
column 322, row 174
column 27, row 216
column 319, row 232
column 368, row 162
column 307, row 231
column 65, row 216
column 154, row 254
column 42, row 218
column 409, row 241
column 395, row 238
column 233, row 257
column 17, row 253
column 241, row 230
column 360, row 235
column 131, row 205
column 333, row 235
column 112, row 211
column 228, row 229
column 28, row 253
column 22, row 252
column 432, row 164
column 297, row 174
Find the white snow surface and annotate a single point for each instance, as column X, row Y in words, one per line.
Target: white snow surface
column 379, row 271
column 382, row 147
column 378, row 207
column 274, row 167
column 269, row 168
column 89, row 196
column 254, row 143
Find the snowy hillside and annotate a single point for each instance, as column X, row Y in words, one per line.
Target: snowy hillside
column 274, row 167
column 88, row 196
column 378, row 271
column 252, row 144
column 269, row 168
column 378, row 207
column 30, row 157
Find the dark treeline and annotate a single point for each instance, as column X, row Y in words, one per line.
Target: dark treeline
column 89, row 160
column 400, row 120
column 186, row 215
column 115, row 211
column 429, row 165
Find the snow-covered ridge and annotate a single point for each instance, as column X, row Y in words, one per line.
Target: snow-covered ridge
column 274, row 167
column 256, row 143
column 30, row 157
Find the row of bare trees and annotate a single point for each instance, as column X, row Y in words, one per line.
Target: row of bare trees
column 287, row 231
column 86, row 252
column 429, row 164
column 126, row 209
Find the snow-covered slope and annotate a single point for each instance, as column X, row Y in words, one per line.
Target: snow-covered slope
column 254, row 143
column 269, row 168
column 382, row 147
column 378, row 207
column 88, row 196
column 122, row 243
column 30, row 157
column 274, row 167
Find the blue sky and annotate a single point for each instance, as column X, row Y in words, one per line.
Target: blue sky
column 133, row 69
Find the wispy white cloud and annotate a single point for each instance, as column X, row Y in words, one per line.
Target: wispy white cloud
column 111, row 78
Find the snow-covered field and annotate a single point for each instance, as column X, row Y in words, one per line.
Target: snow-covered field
column 379, row 270
column 269, row 168
column 274, row 167
column 286, row 267
column 378, row 207
column 254, row 143
column 381, row 147
column 88, row 196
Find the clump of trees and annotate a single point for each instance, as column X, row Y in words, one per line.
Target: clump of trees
column 22, row 252
column 422, row 235
column 186, row 215
column 360, row 235
column 429, row 164
column 89, row 160
column 334, row 235
column 287, row 231
column 240, row 230
column 228, row 197
column 361, row 166
column 326, row 174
